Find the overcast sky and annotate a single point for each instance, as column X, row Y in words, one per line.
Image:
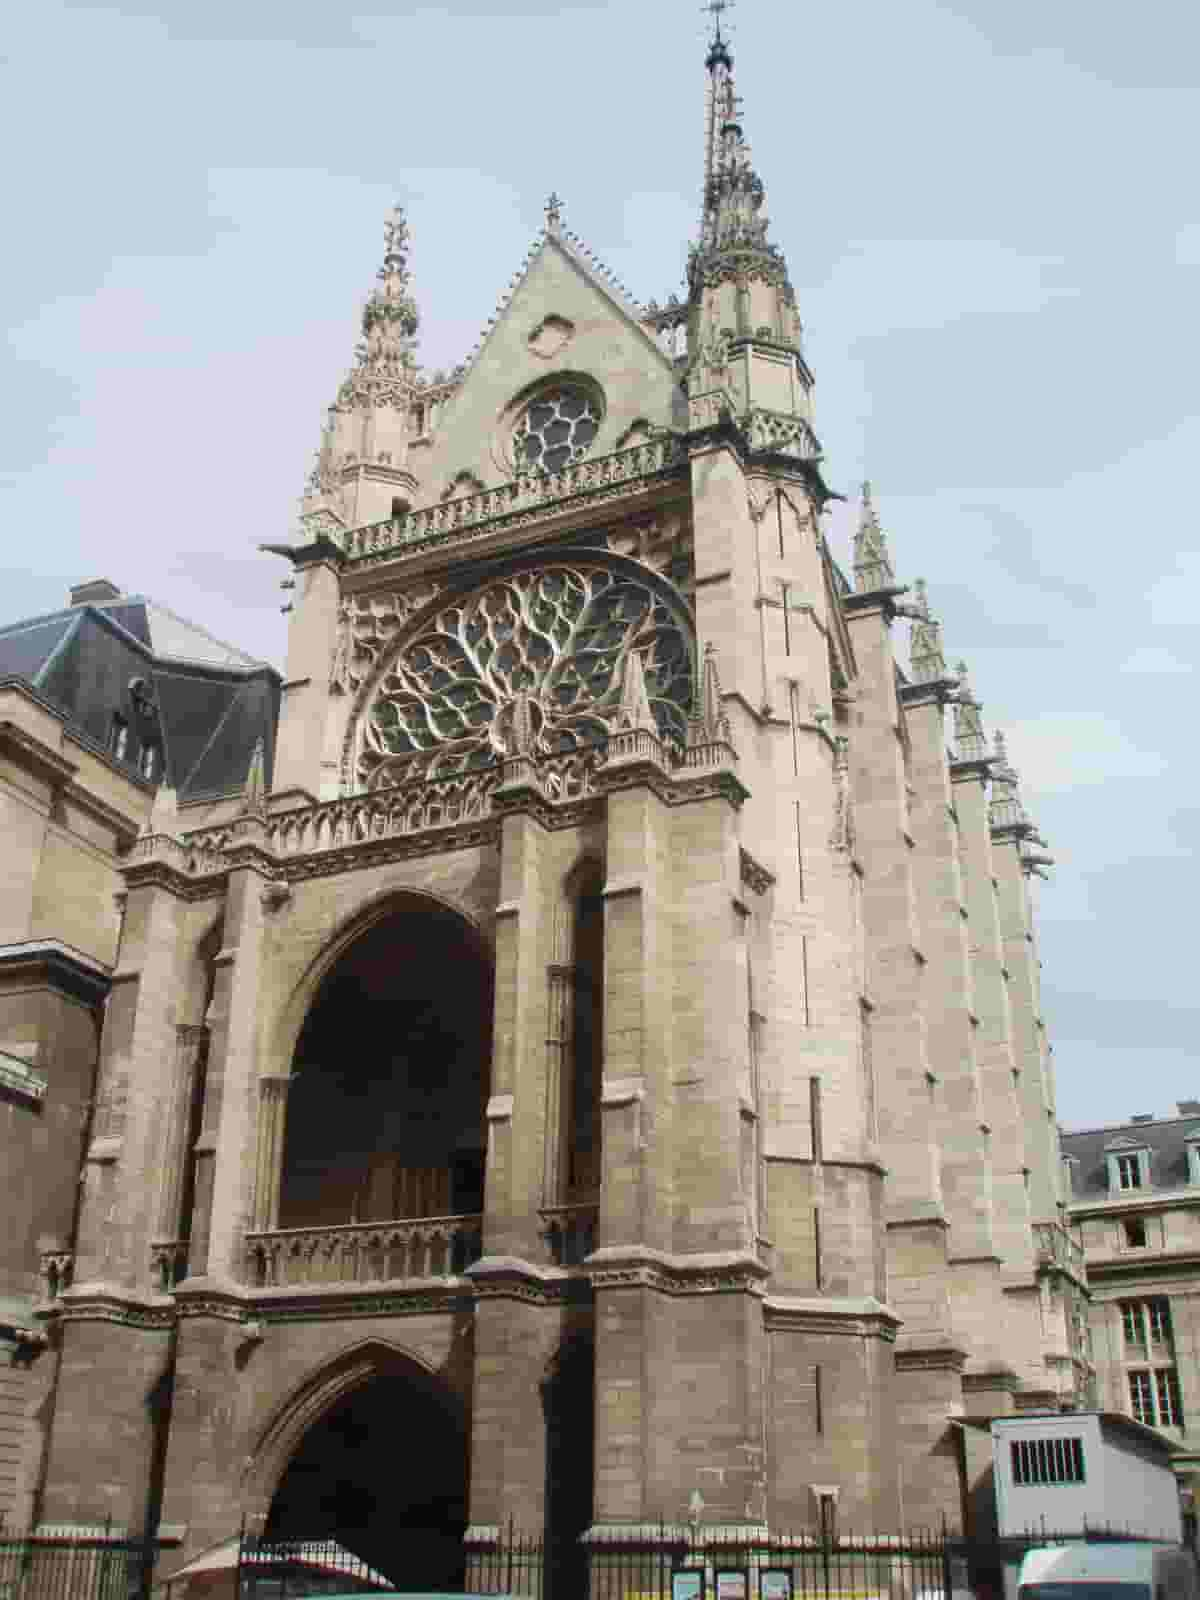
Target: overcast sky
column 991, row 218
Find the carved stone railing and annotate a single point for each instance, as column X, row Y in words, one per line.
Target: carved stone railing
column 781, row 432
column 526, row 493
column 1055, row 1246
column 364, row 1252
column 419, row 805
column 570, row 1231
column 384, row 813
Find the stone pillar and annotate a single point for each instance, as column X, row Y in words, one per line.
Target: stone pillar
column 226, row 1169
column 171, row 1229
column 977, row 1307
column 636, row 1187
column 268, row 1162
column 1030, row 1048
column 516, row 1109
column 300, row 742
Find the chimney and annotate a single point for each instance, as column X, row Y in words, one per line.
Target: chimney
column 1188, row 1108
column 96, row 592
column 1149, row 1117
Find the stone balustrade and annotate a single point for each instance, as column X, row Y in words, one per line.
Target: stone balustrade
column 363, row 1252
column 527, row 492
column 399, row 805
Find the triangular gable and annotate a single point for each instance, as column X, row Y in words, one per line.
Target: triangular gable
column 564, row 315
column 1124, row 1142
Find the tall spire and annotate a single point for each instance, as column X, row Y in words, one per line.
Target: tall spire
column 390, row 317
column 733, row 192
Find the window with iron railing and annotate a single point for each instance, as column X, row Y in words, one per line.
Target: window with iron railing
column 1047, row 1461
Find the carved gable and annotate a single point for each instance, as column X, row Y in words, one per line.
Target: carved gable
column 562, row 321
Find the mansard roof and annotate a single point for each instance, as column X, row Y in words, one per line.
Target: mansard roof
column 203, row 703
column 1166, row 1140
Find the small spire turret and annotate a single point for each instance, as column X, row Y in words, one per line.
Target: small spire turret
column 872, row 562
column 969, row 737
column 926, row 653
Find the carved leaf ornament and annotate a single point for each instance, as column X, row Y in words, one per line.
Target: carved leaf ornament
column 557, row 638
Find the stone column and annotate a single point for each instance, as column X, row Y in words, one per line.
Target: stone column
column 268, row 1161
column 226, row 1171
column 978, row 1310
column 171, row 1230
column 635, row 1191
column 312, row 633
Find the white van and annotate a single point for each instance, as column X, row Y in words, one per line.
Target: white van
column 1108, row 1572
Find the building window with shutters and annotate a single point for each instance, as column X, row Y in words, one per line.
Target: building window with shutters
column 1129, row 1172
column 118, row 736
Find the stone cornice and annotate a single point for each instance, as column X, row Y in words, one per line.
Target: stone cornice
column 60, row 966
column 929, row 1352
column 107, row 1302
column 865, row 1318
column 335, row 1302
column 709, row 1272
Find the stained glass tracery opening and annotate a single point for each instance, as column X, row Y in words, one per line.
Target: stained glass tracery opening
column 560, row 636
column 555, row 429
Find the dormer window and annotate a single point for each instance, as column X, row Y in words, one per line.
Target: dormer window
column 1129, row 1172
column 1192, row 1142
column 118, row 736
column 1128, row 1165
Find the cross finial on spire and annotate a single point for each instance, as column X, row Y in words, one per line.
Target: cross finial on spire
column 716, row 8
column 553, row 212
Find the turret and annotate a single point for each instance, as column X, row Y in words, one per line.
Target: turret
column 362, row 473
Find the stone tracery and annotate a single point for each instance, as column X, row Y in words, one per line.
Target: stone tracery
column 555, row 638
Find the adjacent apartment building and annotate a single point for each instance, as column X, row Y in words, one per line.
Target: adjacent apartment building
column 1134, row 1198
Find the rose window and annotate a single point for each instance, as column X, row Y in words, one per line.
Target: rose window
column 558, row 636
column 556, row 429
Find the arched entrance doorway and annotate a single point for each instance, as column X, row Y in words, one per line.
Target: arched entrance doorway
column 384, row 1472
column 386, row 1118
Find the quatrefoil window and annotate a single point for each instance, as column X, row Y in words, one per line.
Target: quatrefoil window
column 555, row 429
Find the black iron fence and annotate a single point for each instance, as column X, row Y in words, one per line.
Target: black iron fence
column 75, row 1563
column 650, row 1562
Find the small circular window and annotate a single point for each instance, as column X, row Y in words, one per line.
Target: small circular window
column 554, row 430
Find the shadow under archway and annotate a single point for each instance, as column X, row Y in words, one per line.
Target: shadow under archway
column 384, row 1473
column 568, row 1408
column 392, row 1066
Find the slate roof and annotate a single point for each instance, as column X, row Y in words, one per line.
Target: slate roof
column 1166, row 1140
column 204, row 704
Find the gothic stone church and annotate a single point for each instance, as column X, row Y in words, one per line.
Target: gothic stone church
column 587, row 1069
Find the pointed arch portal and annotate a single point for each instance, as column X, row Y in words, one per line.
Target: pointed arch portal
column 386, row 1120
column 384, row 1472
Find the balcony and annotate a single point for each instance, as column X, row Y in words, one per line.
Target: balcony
column 363, row 1252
